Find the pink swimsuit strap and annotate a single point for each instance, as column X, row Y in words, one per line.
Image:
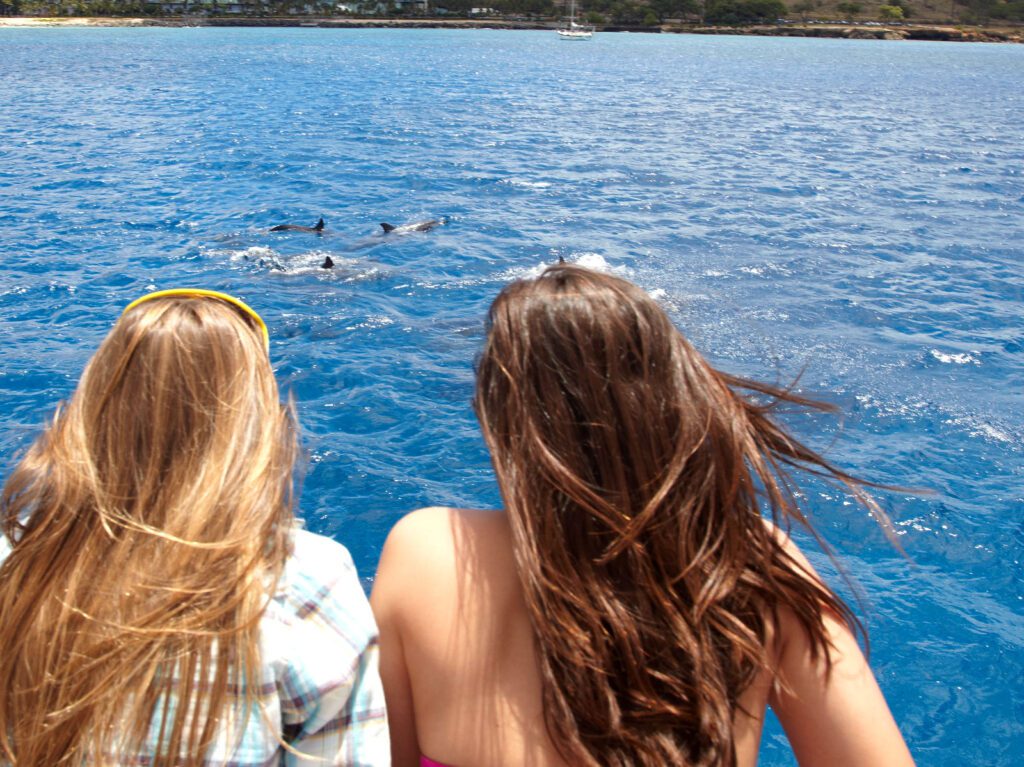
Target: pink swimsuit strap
column 425, row 762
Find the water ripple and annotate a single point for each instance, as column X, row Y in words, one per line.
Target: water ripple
column 845, row 211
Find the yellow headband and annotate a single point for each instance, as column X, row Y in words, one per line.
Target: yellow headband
column 200, row 293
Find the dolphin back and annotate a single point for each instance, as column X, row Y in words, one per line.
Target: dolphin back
column 319, row 228
column 416, row 226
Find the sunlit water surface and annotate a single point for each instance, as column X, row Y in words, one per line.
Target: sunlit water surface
column 849, row 210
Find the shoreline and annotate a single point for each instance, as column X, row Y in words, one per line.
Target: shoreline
column 903, row 31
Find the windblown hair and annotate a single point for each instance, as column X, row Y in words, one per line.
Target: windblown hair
column 150, row 524
column 635, row 475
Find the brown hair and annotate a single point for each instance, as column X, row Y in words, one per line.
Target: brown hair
column 148, row 523
column 634, row 474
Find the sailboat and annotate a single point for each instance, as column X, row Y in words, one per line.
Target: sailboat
column 574, row 31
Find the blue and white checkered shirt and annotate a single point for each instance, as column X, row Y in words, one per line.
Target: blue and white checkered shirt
column 320, row 690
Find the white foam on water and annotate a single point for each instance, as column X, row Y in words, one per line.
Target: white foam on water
column 974, row 425
column 372, row 321
column 66, row 286
column 523, row 272
column 309, row 262
column 525, row 184
column 987, row 430
column 902, row 407
column 981, row 429
column 345, row 269
column 254, row 253
column 598, row 263
column 955, row 359
column 593, row 261
column 763, row 269
column 667, row 301
column 313, row 258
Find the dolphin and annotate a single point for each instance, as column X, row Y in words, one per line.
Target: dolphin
column 318, row 229
column 416, row 226
column 389, row 231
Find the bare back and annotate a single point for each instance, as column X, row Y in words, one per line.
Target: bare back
column 457, row 651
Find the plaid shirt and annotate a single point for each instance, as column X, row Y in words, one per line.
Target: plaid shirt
column 320, row 690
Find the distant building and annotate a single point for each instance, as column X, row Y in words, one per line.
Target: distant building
column 295, row 8
column 204, row 7
column 402, row 6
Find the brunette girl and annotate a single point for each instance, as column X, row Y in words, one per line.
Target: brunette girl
column 631, row 605
column 158, row 603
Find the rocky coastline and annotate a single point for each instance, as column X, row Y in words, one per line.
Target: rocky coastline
column 844, row 31
column 863, row 32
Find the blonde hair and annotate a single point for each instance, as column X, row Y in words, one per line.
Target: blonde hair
column 149, row 524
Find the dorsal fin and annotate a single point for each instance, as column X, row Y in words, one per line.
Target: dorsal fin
column 328, row 263
column 319, row 224
column 387, row 228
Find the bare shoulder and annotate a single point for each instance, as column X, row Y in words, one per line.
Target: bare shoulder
column 803, row 566
column 437, row 545
column 789, row 631
column 422, row 538
column 833, row 714
column 446, row 586
column 435, row 531
column 432, row 521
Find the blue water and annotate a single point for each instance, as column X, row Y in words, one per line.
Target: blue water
column 849, row 210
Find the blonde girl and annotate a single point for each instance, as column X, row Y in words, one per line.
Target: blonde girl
column 158, row 603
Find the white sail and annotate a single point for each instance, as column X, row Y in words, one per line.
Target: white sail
column 574, row 31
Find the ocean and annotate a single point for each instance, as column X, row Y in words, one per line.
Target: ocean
column 849, row 213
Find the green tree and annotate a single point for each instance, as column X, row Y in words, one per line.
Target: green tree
column 743, row 11
column 850, row 9
column 516, row 7
column 890, row 12
column 628, row 14
column 458, row 7
column 1009, row 11
column 803, row 8
column 674, row 9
